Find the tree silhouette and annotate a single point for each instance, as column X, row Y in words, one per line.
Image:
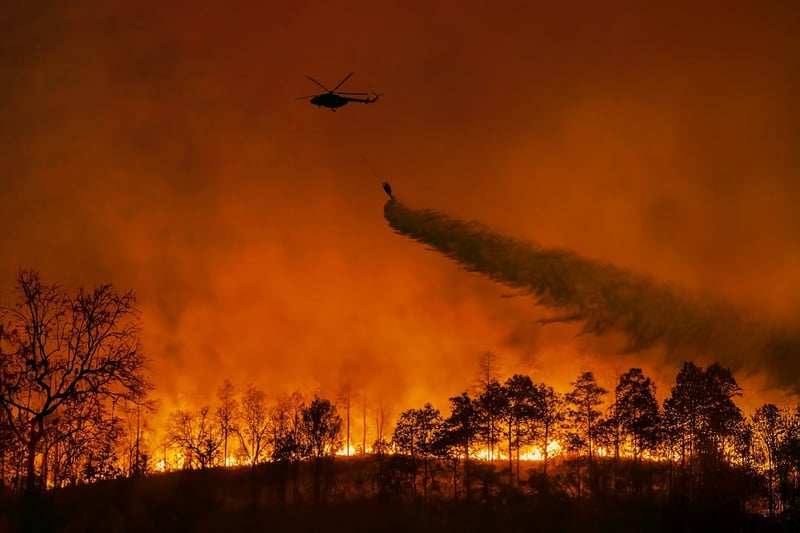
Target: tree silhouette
column 493, row 410
column 322, row 427
column 288, row 441
column 460, row 431
column 134, row 416
column 8, row 452
column 59, row 351
column 636, row 409
column 101, row 465
column 80, row 435
column 227, row 413
column 253, row 427
column 584, row 417
column 415, row 434
column 725, row 417
column 550, row 415
column 488, row 369
column 770, row 427
column 684, row 411
column 788, row 459
column 289, row 445
column 380, row 445
column 523, row 410
column 583, row 400
column 702, row 419
column 196, row 435
column 406, row 441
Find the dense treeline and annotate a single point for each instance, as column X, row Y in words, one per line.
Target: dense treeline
column 75, row 411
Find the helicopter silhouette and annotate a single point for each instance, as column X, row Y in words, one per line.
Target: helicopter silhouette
column 334, row 99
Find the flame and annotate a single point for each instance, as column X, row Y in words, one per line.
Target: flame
column 535, row 452
column 346, row 451
column 484, row 454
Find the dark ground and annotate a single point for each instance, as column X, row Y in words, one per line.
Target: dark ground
column 277, row 498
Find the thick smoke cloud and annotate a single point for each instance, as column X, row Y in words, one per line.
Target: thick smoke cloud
column 606, row 298
column 159, row 146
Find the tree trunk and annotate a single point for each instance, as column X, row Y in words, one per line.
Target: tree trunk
column 32, row 517
column 224, row 446
column 455, row 478
column 544, row 448
column 34, row 437
column 467, row 490
column 30, row 466
column 413, row 472
column 425, row 477
column 511, row 455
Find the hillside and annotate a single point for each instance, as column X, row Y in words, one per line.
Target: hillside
column 377, row 493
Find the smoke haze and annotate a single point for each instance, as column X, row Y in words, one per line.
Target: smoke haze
column 159, row 146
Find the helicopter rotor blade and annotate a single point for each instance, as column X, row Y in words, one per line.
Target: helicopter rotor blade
column 352, row 94
column 341, row 82
column 318, row 83
column 304, row 97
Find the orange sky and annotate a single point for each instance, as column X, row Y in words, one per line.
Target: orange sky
column 160, row 147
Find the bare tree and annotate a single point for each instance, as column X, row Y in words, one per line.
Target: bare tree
column 288, row 442
column 196, row 435
column 58, row 350
column 380, row 445
column 80, row 444
column 488, row 369
column 227, row 413
column 134, row 415
column 346, row 397
column 254, row 430
column 364, row 426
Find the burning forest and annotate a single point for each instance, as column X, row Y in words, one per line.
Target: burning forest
column 76, row 410
column 222, row 308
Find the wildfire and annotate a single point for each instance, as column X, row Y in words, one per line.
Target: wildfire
column 346, row 451
column 535, row 453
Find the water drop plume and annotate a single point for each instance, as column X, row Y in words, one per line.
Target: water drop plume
column 606, row 298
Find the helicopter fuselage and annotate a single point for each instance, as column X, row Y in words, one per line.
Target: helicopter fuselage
column 333, row 101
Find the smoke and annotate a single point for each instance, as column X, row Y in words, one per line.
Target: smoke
column 162, row 149
column 606, row 298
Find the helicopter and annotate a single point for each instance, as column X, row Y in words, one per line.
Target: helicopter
column 334, row 99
